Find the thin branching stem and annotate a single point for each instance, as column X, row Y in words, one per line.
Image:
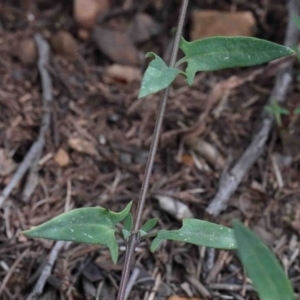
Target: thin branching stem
column 133, row 240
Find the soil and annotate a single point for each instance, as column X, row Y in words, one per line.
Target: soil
column 97, row 144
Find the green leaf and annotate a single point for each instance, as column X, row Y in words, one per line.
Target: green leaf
column 296, row 49
column 275, row 109
column 91, row 225
column 297, row 111
column 126, row 233
column 157, row 77
column 200, row 233
column 216, row 53
column 296, row 20
column 150, row 224
column 128, row 222
column 262, row 266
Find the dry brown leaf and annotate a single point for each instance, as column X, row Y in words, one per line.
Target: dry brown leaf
column 63, row 43
column 116, row 45
column 208, row 23
column 123, row 74
column 7, row 165
column 62, row 158
column 83, row 146
column 86, row 11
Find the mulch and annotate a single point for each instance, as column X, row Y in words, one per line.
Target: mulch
column 104, row 116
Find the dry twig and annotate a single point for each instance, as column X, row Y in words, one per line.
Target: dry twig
column 230, row 181
column 39, row 286
column 32, row 157
column 46, row 271
column 11, row 270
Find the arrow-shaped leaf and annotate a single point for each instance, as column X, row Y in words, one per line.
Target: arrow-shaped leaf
column 218, row 53
column 157, row 77
column 150, row 224
column 91, row 225
column 200, row 233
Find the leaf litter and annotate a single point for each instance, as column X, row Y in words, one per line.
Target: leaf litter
column 93, row 108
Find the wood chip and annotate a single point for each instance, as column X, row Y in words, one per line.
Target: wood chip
column 208, row 151
column 174, row 207
column 123, row 74
column 208, row 23
column 7, row 165
column 83, row 146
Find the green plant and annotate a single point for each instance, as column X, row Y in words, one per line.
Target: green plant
column 297, row 111
column 296, row 20
column 277, row 111
column 262, row 267
column 98, row 225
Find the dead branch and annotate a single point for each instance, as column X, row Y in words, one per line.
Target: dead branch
column 12, row 270
column 230, row 181
column 46, row 271
column 32, row 157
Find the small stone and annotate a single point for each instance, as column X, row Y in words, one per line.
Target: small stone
column 26, row 51
column 62, row 158
column 63, row 43
column 86, row 11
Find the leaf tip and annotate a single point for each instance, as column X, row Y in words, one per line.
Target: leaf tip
column 154, row 245
column 129, row 205
column 25, row 232
column 114, row 259
column 151, row 54
column 29, row 232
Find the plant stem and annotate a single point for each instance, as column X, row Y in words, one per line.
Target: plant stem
column 156, row 134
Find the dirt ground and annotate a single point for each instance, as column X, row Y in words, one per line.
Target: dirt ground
column 98, row 140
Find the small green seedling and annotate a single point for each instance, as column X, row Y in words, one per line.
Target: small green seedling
column 277, row 111
column 297, row 111
column 97, row 225
column 210, row 54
